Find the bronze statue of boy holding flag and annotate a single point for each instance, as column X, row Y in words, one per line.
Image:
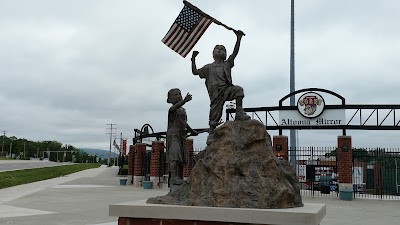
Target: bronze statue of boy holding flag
column 219, row 84
column 187, row 29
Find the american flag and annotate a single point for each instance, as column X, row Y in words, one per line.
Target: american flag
column 186, row 30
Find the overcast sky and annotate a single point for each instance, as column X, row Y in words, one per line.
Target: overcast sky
column 69, row 68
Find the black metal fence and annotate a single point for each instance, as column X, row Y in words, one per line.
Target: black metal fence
column 316, row 168
column 146, row 161
column 376, row 173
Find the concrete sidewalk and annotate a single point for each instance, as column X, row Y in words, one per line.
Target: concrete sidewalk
column 83, row 198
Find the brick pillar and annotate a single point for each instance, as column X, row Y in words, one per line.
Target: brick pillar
column 156, row 148
column 139, row 149
column 189, row 166
column 130, row 164
column 345, row 163
column 280, row 146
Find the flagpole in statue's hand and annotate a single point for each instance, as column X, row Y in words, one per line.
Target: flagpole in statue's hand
column 210, row 17
column 229, row 28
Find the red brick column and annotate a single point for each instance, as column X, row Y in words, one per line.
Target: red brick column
column 280, row 146
column 189, row 166
column 139, row 149
column 345, row 163
column 157, row 147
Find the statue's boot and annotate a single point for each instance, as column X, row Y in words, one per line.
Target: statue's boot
column 175, row 184
column 176, row 181
column 241, row 115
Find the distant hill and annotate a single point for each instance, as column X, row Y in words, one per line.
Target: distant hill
column 99, row 152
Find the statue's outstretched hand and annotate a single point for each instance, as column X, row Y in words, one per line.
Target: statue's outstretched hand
column 188, row 97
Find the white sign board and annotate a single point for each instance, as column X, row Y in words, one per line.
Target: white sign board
column 357, row 175
column 329, row 117
column 301, row 169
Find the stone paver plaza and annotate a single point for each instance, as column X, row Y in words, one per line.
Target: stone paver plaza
column 84, row 198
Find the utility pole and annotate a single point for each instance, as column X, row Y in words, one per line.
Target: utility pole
column 292, row 145
column 2, row 147
column 111, row 127
column 120, row 150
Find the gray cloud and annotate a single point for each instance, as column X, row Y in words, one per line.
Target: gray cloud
column 69, row 68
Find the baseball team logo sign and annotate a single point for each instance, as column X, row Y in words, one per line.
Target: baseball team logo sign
column 311, row 105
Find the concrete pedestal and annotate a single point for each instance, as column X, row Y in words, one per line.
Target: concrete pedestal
column 139, row 212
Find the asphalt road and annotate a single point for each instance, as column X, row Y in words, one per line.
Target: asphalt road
column 10, row 165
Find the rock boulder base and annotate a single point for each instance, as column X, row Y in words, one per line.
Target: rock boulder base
column 238, row 170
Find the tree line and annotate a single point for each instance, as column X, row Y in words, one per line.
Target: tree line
column 22, row 148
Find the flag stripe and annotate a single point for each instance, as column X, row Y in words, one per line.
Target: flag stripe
column 199, row 25
column 182, row 36
column 178, row 31
column 170, row 33
column 176, row 39
column 181, row 41
column 193, row 42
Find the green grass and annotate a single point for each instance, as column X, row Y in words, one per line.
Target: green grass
column 4, row 158
column 18, row 177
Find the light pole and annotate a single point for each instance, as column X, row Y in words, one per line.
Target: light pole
column 292, row 145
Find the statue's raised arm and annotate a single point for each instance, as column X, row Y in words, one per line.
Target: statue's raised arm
column 239, row 35
column 193, row 59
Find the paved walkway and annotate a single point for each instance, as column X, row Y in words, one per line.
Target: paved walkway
column 83, row 198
